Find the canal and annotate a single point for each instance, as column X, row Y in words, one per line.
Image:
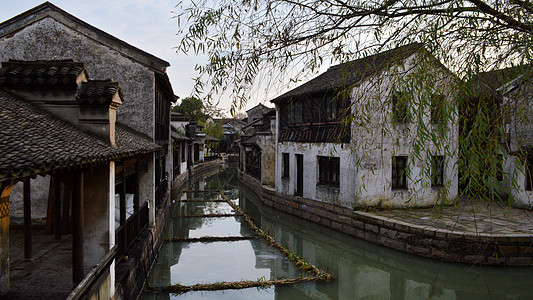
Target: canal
column 360, row 270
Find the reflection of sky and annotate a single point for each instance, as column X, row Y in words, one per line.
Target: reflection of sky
column 226, row 226
column 218, row 261
column 244, row 294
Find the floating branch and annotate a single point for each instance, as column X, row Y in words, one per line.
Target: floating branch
column 208, row 215
column 194, row 200
column 211, row 239
column 303, row 265
column 178, row 288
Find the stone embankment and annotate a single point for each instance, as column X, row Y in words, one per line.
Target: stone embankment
column 472, row 232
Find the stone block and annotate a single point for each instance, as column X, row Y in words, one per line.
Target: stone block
column 476, row 259
column 325, row 222
column 358, row 224
column 315, row 219
column 329, row 207
column 321, row 213
column 417, row 250
column 372, row 228
column 394, row 244
column 349, row 230
column 508, row 250
column 520, row 261
column 345, row 220
column 336, row 225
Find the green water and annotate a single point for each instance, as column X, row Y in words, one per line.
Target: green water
column 361, row 270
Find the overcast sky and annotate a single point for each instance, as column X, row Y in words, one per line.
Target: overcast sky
column 145, row 24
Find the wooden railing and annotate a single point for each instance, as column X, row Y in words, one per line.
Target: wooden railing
column 92, row 282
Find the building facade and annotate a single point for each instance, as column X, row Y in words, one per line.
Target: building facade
column 380, row 131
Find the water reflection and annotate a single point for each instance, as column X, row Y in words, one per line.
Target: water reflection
column 361, row 270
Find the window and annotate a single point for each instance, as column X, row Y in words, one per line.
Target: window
column 400, row 107
column 285, row 165
column 399, row 172
column 328, row 171
column 437, row 109
column 437, row 171
column 331, row 109
column 529, row 174
column 499, row 167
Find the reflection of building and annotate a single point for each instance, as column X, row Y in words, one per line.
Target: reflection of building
column 377, row 131
column 366, row 271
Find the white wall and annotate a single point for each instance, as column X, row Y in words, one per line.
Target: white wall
column 375, row 139
column 365, row 163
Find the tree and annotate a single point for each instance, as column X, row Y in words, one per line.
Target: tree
column 191, row 107
column 243, row 40
column 281, row 37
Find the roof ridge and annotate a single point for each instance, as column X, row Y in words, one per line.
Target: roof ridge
column 31, row 16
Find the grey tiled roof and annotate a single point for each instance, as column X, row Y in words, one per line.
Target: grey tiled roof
column 33, row 141
column 486, row 84
column 345, row 75
column 97, row 92
column 40, row 74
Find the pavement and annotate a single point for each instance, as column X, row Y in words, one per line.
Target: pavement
column 48, row 274
column 468, row 216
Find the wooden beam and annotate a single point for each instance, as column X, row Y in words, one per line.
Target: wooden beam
column 27, row 218
column 50, row 208
column 77, row 228
column 66, row 209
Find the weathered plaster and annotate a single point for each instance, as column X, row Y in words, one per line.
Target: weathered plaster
column 48, row 39
column 97, row 215
column 365, row 163
column 39, row 200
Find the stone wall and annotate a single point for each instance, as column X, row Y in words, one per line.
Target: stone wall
column 439, row 244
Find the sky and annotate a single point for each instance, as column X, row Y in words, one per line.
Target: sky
column 145, row 24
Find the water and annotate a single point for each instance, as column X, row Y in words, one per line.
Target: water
column 361, row 270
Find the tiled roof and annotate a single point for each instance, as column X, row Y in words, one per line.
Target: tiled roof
column 486, row 84
column 344, row 75
column 331, row 133
column 40, row 74
column 97, row 92
column 33, row 141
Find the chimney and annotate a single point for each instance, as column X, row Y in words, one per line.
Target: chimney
column 50, row 85
column 98, row 102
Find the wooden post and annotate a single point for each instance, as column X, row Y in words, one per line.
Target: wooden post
column 124, row 238
column 57, row 210
column 77, row 228
column 50, row 208
column 136, row 202
column 66, row 209
column 27, row 218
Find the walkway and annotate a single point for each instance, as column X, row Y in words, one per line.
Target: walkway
column 48, row 274
column 469, row 217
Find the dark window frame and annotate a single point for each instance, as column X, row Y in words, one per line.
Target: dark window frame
column 328, row 171
column 437, row 170
column 437, row 109
column 285, row 166
column 399, row 173
column 528, row 164
column 400, row 107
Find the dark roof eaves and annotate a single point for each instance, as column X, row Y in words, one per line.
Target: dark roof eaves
column 47, row 9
